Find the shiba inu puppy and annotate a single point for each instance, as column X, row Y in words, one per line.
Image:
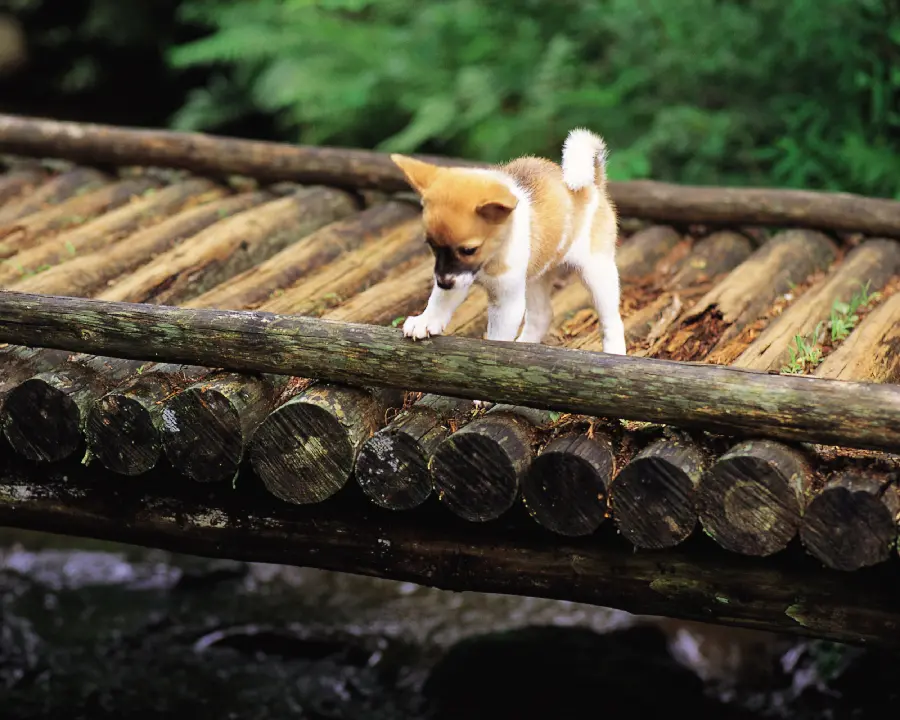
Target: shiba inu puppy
column 506, row 227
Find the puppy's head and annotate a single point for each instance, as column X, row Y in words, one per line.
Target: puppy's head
column 466, row 215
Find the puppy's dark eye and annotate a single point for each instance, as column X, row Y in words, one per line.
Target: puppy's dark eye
column 468, row 251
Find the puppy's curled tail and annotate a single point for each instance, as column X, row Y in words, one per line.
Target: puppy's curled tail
column 583, row 160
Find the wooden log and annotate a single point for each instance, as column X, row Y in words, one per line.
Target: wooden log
column 784, row 595
column 228, row 248
column 709, row 258
column 43, row 416
column 477, row 470
column 86, row 275
column 745, row 294
column 752, row 499
column 209, row 425
column 565, row 488
column 16, row 183
column 21, row 245
column 718, row 399
column 304, row 450
column 851, row 523
column 393, row 298
column 353, row 272
column 871, row 264
column 210, row 155
column 641, row 254
column 18, row 363
column 111, row 227
column 653, row 497
column 872, row 351
column 289, row 267
column 55, row 191
column 392, row 466
column 123, row 428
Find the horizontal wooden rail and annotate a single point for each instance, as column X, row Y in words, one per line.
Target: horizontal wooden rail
column 788, row 594
column 268, row 161
column 719, row 399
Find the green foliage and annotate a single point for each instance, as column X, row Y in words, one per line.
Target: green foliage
column 802, row 93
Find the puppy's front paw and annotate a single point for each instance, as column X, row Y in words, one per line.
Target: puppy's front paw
column 421, row 326
column 482, row 404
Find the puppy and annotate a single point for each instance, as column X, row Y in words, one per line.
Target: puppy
column 506, row 227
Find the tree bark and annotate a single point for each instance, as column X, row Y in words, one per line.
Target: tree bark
column 653, row 496
column 208, row 426
column 271, row 162
column 641, row 254
column 124, row 427
column 304, row 450
column 752, row 499
column 872, row 351
column 15, row 183
column 55, row 191
column 710, row 257
column 476, row 471
column 851, row 523
column 327, row 286
column 392, row 466
column 87, row 275
column 719, row 399
column 565, row 488
column 115, row 225
column 232, row 246
column 20, row 363
column 778, row 594
column 23, row 244
column 745, row 294
column 393, row 298
column 874, row 262
column 293, row 265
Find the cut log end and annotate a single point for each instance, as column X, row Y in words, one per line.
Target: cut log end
column 476, row 470
column 750, row 501
column 653, row 497
column 202, row 436
column 565, row 489
column 41, row 421
column 392, row 470
column 852, row 522
column 121, row 434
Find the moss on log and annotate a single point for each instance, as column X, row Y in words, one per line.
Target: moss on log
column 653, row 497
column 752, row 499
column 123, row 429
column 719, row 399
column 392, row 465
column 232, row 246
column 23, row 245
column 745, row 294
column 291, row 266
column 304, row 451
column 851, row 523
column 208, row 426
column 871, row 264
column 786, row 595
column 55, row 191
column 210, row 155
column 88, row 274
column 565, row 488
column 477, row 470
column 872, row 351
column 99, row 234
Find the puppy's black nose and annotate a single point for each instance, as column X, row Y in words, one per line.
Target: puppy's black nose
column 445, row 282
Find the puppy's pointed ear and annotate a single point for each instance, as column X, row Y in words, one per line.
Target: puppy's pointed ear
column 497, row 207
column 418, row 174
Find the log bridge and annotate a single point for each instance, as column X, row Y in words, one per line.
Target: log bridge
column 201, row 354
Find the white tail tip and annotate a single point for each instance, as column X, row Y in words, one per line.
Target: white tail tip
column 583, row 154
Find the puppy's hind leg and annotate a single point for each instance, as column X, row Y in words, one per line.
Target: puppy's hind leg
column 601, row 277
column 538, row 311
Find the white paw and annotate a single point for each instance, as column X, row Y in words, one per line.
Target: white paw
column 421, row 326
column 614, row 345
column 482, row 404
